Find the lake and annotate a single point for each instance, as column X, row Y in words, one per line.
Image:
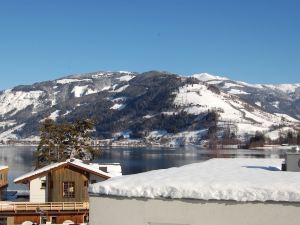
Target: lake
column 133, row 160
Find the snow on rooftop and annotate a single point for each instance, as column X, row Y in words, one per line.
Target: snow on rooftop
column 38, row 171
column 216, row 179
column 112, row 169
column 3, row 167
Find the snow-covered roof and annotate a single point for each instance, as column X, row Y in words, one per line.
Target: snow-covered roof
column 112, row 169
column 3, row 167
column 216, row 179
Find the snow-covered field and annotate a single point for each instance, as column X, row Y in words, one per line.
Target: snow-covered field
column 216, row 179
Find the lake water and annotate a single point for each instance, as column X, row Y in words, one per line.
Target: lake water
column 133, row 160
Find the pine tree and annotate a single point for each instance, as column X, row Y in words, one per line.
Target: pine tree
column 63, row 141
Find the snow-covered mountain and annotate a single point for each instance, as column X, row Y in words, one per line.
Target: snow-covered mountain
column 279, row 99
column 149, row 104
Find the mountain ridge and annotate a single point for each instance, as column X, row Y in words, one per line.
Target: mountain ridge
column 143, row 103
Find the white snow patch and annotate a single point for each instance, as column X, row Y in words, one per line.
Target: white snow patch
column 287, row 117
column 126, row 78
column 79, row 90
column 54, row 115
column 125, row 134
column 123, row 71
column 287, row 88
column 120, row 89
column 250, row 85
column 169, row 113
column 214, row 81
column 197, row 99
column 9, row 134
column 157, row 134
column 105, row 88
column 275, row 134
column 119, row 99
column 7, row 123
column 118, row 106
column 66, row 113
column 275, row 104
column 90, row 91
column 68, row 81
column 237, row 92
column 208, row 77
column 148, row 116
column 258, row 104
column 229, row 85
column 95, row 76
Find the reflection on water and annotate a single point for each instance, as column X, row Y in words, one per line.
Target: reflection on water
column 19, row 160
column 133, row 160
column 136, row 160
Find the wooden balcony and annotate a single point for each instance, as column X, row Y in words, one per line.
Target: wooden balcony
column 43, row 207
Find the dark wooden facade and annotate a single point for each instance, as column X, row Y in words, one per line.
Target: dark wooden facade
column 54, row 218
column 3, row 183
column 68, row 174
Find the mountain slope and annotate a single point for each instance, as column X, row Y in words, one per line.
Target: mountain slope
column 142, row 104
column 281, row 98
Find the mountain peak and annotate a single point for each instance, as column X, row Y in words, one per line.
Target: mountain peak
column 208, row 77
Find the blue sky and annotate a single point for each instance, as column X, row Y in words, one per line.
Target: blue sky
column 257, row 41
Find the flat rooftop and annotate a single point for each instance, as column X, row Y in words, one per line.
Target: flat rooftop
column 238, row 179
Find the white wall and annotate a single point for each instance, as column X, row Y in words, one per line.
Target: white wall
column 37, row 194
column 127, row 211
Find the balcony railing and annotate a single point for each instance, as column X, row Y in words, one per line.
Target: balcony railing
column 40, row 207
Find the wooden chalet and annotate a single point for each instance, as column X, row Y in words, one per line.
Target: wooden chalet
column 58, row 192
column 3, row 182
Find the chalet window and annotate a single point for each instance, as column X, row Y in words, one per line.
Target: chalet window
column 85, row 183
column 69, row 189
column 43, row 184
column 93, row 181
column 43, row 219
column 53, row 219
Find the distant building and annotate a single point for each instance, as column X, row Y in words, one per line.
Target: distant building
column 59, row 192
column 3, row 182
